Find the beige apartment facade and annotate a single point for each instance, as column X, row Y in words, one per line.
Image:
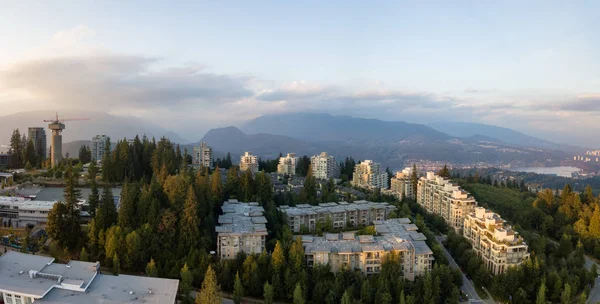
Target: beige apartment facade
column 368, row 175
column 438, row 195
column 287, row 165
column 366, row 253
column 249, row 162
column 241, row 229
column 342, row 214
column 495, row 242
column 401, row 185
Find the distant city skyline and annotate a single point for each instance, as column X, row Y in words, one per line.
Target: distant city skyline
column 531, row 66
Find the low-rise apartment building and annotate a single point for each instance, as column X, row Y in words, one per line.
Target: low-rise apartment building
column 241, row 229
column 438, row 195
column 368, row 175
column 402, row 185
column 26, row 279
column 249, row 162
column 367, row 252
column 304, row 217
column 324, row 166
column 495, row 242
column 287, row 165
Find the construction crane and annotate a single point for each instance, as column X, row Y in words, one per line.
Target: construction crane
column 57, row 126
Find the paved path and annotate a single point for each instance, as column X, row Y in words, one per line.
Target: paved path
column 467, row 286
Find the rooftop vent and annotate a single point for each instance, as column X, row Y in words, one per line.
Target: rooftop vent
column 131, row 292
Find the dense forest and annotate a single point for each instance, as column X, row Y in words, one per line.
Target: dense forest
column 164, row 227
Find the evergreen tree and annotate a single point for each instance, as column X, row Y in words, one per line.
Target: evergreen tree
column 594, row 228
column 107, row 212
column 268, row 293
column 186, row 281
column 238, row 289
column 541, row 295
column 209, row 293
column 216, row 186
column 308, row 194
column 247, row 186
column 565, row 297
column 94, row 197
column 116, row 264
column 298, row 295
column 83, row 255
column 127, row 215
column 346, row 298
column 107, row 166
column 232, row 185
column 189, row 223
column 414, row 178
column 278, row 257
column 72, row 216
column 151, row 270
column 402, row 299
column 16, row 150
column 444, row 172
column 30, row 155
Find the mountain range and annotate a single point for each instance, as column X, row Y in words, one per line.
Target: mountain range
column 393, row 143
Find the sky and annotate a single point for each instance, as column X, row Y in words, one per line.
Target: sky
column 533, row 66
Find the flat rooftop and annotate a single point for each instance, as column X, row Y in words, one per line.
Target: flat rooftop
column 109, row 289
column 78, row 282
column 25, row 204
column 394, row 234
column 241, row 218
column 14, row 274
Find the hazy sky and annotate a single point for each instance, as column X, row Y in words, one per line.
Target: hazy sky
column 530, row 65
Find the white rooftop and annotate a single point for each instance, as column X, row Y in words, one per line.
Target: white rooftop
column 78, row 282
column 241, row 218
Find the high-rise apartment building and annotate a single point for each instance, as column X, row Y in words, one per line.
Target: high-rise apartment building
column 495, row 242
column 249, row 162
column 203, row 155
column 324, row 166
column 287, row 165
column 99, row 147
column 38, row 136
column 241, row 229
column 440, row 196
column 368, row 174
column 402, row 185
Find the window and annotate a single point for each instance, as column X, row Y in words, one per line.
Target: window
column 9, row 298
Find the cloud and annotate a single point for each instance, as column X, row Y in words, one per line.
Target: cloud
column 583, row 103
column 106, row 81
column 309, row 96
column 189, row 98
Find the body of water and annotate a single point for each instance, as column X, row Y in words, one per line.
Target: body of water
column 563, row 171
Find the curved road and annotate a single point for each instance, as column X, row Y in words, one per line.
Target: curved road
column 467, row 286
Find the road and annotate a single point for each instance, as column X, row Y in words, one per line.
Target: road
column 594, row 296
column 467, row 286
